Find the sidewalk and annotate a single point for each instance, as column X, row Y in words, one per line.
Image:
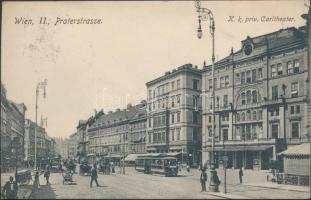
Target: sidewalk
column 227, row 195
column 280, row 186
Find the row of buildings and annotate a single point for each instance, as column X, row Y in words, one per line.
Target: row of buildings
column 262, row 107
column 18, row 136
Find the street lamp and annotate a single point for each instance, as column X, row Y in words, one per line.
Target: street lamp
column 40, row 85
column 205, row 14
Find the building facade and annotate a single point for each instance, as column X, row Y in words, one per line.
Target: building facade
column 83, row 139
column 137, row 134
column 174, row 114
column 109, row 133
column 12, row 132
column 261, row 100
column 73, row 143
column 45, row 144
column 61, row 147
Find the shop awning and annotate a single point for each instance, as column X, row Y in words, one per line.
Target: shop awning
column 241, row 148
column 132, row 157
column 302, row 149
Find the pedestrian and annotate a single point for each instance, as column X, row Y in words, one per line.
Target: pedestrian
column 94, row 176
column 36, row 181
column 188, row 168
column 112, row 168
column 10, row 189
column 47, row 175
column 240, row 174
column 203, row 179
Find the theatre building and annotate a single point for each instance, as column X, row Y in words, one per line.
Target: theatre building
column 261, row 100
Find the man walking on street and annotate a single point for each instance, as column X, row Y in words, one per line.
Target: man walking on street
column 240, row 174
column 94, row 176
column 10, row 189
column 203, row 179
column 47, row 176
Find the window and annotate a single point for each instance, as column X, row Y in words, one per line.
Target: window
column 237, row 77
column 294, row 89
column 226, row 81
column 292, row 110
column 243, row 102
column 275, row 130
column 296, row 66
column 254, row 115
column 195, row 84
column 163, row 119
column 172, row 98
column 248, row 96
column 254, row 75
column 248, row 115
column 178, row 133
column 173, row 85
column 298, row 109
column 178, row 117
column 195, row 117
column 178, row 84
column 277, row 110
column 290, row 67
column 149, row 137
column 275, row 94
column 215, row 80
column 149, row 122
column 273, row 71
column 195, row 102
column 210, row 119
column 210, row 84
column 254, row 95
column 173, row 134
column 260, row 115
column 225, row 134
column 259, row 73
column 173, row 119
column 225, row 101
column 222, row 82
column 149, row 94
column 254, row 132
column 280, row 69
column 248, row 76
column 178, row 100
column 243, row 116
column 242, row 77
column 238, row 117
column 163, row 137
column 295, row 129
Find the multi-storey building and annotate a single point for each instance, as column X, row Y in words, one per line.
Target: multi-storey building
column 73, row 142
column 45, row 145
column 109, row 133
column 61, row 147
column 260, row 99
column 83, row 139
column 137, row 136
column 174, row 113
column 12, row 131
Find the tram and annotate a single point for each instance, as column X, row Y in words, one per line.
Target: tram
column 157, row 163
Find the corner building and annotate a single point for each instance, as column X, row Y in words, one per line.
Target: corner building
column 174, row 122
column 261, row 100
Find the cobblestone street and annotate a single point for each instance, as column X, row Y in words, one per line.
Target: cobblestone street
column 138, row 185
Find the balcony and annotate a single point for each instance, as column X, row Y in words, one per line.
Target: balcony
column 261, row 141
column 296, row 141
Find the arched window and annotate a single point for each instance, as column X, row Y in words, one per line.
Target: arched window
column 254, row 94
column 254, row 115
column 243, row 116
column 249, row 96
column 243, row 98
column 248, row 115
column 238, row 117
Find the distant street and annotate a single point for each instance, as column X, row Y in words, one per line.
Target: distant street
column 138, row 185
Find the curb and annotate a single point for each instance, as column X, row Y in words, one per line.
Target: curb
column 276, row 188
column 226, row 195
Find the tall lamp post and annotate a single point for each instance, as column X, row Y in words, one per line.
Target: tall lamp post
column 205, row 14
column 41, row 85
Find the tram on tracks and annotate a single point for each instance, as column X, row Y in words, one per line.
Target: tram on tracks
column 162, row 163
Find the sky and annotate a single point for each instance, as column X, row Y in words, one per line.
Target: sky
column 105, row 66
